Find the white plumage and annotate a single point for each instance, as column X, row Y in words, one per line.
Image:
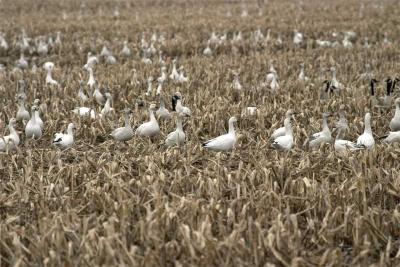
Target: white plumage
column 177, row 137
column 32, row 128
column 150, row 128
column 281, row 131
column 366, row 139
column 65, row 141
column 224, row 142
column 162, row 112
column 321, row 137
column 12, row 140
column 286, row 141
column 124, row 133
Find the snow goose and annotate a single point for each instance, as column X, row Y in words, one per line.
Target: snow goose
column 104, row 51
column 134, row 79
column 22, row 113
column 81, row 94
column 91, row 80
column 272, row 72
column 281, row 131
column 174, row 73
column 49, row 66
column 126, row 51
column 85, row 112
column 177, row 105
column 107, row 106
column 163, row 77
column 395, row 121
column 98, row 96
column 334, row 82
column 111, row 60
column 286, row 141
column 236, row 82
column 366, row 140
column 274, row 85
column 150, row 128
column 321, row 137
column 65, row 141
column 182, row 78
column 42, row 48
column 224, row 142
column 149, row 86
column 302, row 76
column 124, row 133
column 91, row 61
column 250, row 111
column 162, row 112
column 207, row 51
column 342, row 145
column 22, row 63
column 32, row 128
column 12, row 140
column 297, row 38
column 37, row 113
column 177, row 137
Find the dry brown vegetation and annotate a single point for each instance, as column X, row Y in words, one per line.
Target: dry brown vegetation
column 141, row 204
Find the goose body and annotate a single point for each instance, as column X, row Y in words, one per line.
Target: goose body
column 392, row 137
column 126, row 52
column 174, row 73
column 32, row 128
column 366, row 139
column 162, row 112
column 395, row 121
column 286, row 141
column 224, row 142
column 107, row 106
column 281, row 131
column 98, row 96
column 81, row 94
column 85, row 112
column 177, row 137
column 149, row 86
column 321, row 137
column 125, row 133
column 65, row 140
column 22, row 113
column 302, row 76
column 37, row 113
column 12, row 140
column 91, row 80
column 150, row 128
column 49, row 66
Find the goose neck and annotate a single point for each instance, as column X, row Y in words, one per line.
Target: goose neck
column 126, row 117
column 231, row 127
column 367, row 127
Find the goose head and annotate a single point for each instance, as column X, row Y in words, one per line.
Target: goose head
column 34, row 108
column 36, row 102
column 12, row 122
column 71, row 127
column 177, row 96
column 233, row 120
column 150, row 79
column 48, row 66
column 153, row 107
column 127, row 111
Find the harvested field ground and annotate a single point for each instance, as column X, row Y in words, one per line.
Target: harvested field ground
column 142, row 204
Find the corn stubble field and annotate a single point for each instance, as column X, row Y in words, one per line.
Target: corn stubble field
column 142, row 204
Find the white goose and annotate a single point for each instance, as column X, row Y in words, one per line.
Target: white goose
column 85, row 112
column 81, row 94
column 21, row 90
column 12, row 140
column 91, row 61
column 297, row 38
column 174, row 73
column 124, row 133
column 150, row 128
column 207, row 51
column 65, row 141
column 159, row 87
column 177, row 137
column 322, row 137
column 342, row 145
column 286, row 141
column 177, row 105
column 32, row 128
column 91, row 80
column 274, row 85
column 395, row 122
column 182, row 78
column 107, row 106
column 302, row 75
column 126, row 51
column 342, row 123
column 366, row 140
column 149, row 86
column 22, row 113
column 282, row 130
column 37, row 113
column 97, row 94
column 22, row 63
column 163, row 77
column 224, row 142
column 162, row 112
column 49, row 66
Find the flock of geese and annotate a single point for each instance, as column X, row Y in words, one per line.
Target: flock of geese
column 281, row 139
